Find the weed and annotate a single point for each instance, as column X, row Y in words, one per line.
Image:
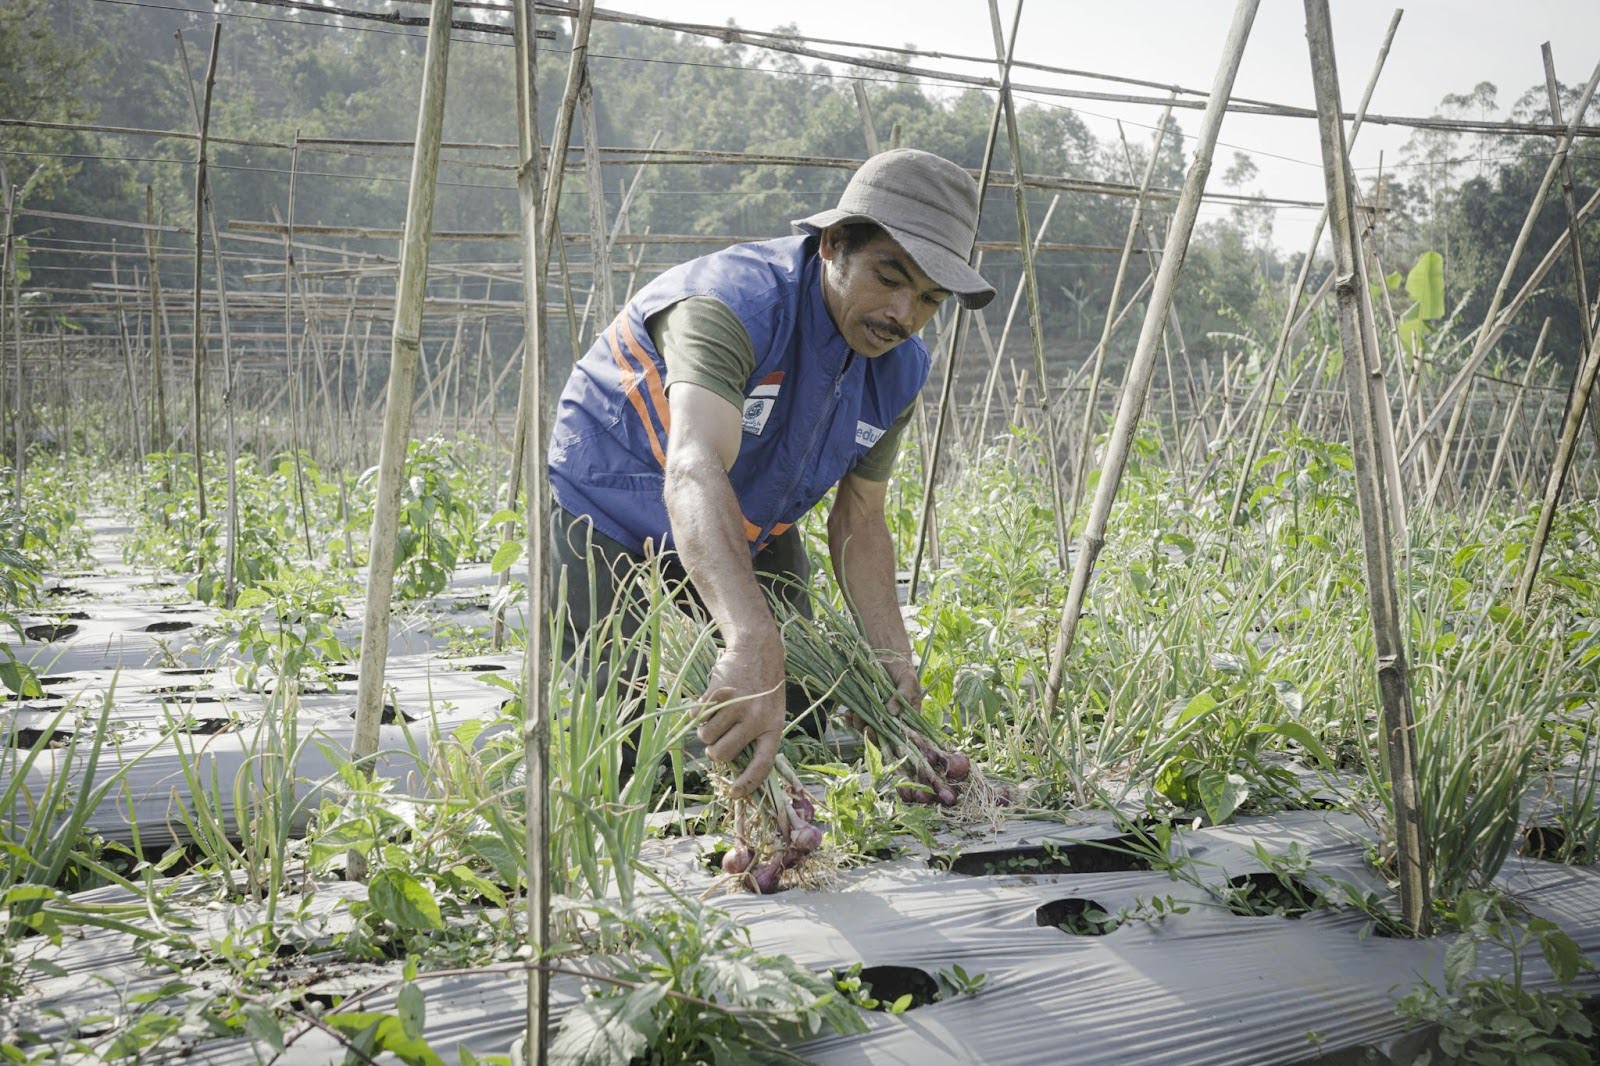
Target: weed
column 692, row 989
column 1496, row 1019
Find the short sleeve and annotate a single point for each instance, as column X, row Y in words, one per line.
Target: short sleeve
column 702, row 341
column 878, row 463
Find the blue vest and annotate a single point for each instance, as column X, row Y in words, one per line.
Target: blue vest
column 812, row 408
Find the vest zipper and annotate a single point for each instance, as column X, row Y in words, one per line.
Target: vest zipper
column 811, row 442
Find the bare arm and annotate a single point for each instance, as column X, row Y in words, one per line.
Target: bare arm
column 863, row 561
column 745, row 694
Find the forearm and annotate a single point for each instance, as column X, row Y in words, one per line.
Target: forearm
column 708, row 533
column 864, row 563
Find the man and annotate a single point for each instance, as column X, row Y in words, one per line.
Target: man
column 733, row 392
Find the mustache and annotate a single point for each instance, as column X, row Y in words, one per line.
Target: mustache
column 887, row 328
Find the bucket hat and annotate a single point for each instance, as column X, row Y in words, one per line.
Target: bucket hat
column 928, row 205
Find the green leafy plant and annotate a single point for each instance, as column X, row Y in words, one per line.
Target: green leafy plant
column 447, row 515
column 50, row 528
column 19, row 584
column 691, row 989
column 285, row 627
column 1282, row 889
column 1496, row 1019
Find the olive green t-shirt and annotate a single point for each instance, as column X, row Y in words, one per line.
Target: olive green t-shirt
column 704, row 342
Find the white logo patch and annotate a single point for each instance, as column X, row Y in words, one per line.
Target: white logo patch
column 756, row 411
column 868, row 435
column 758, row 405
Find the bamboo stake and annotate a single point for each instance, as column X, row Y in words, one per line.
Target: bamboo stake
column 296, row 370
column 958, row 333
column 536, row 666
column 1382, row 410
column 1080, row 465
column 64, row 398
column 203, row 197
column 1179, row 448
column 1533, row 452
column 157, row 317
column 9, row 248
column 1502, row 446
column 344, row 414
column 19, row 416
column 867, row 125
column 549, row 210
column 549, row 218
column 1480, row 351
column 561, row 138
column 295, row 281
column 230, row 547
column 1058, row 489
column 133, row 379
column 1136, row 386
column 1560, row 465
column 1258, row 430
column 1371, row 472
column 1579, row 281
column 600, row 244
column 405, row 345
column 993, row 376
column 201, row 192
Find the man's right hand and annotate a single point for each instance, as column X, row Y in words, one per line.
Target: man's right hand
column 744, row 706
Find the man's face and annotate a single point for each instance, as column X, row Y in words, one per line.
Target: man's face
column 876, row 294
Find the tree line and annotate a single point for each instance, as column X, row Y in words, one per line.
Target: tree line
column 281, row 78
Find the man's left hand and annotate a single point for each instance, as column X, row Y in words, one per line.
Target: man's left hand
column 908, row 689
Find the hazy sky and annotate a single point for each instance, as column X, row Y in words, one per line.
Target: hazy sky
column 1442, row 46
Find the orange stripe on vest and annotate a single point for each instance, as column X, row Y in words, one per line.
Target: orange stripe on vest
column 630, row 389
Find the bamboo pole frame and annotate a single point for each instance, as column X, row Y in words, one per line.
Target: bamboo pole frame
column 1580, row 282
column 7, row 272
column 536, row 671
column 1058, row 490
column 1080, row 457
column 157, row 324
column 404, row 350
column 1356, row 335
column 1136, row 387
column 1258, row 430
column 1487, row 336
column 202, row 193
column 1560, row 465
column 992, row 377
column 204, row 199
column 958, row 333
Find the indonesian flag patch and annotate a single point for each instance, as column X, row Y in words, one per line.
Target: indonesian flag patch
column 758, row 405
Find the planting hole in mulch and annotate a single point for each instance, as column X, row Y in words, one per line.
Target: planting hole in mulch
column 168, row 627
column 1264, row 894
column 65, row 592
column 1077, row 917
column 1550, row 843
column 208, row 726
column 1111, row 855
column 49, row 633
column 689, row 825
column 24, row 739
column 174, row 690
column 185, row 671
column 57, row 679
column 343, row 675
column 887, row 984
column 483, row 668
column 389, row 716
